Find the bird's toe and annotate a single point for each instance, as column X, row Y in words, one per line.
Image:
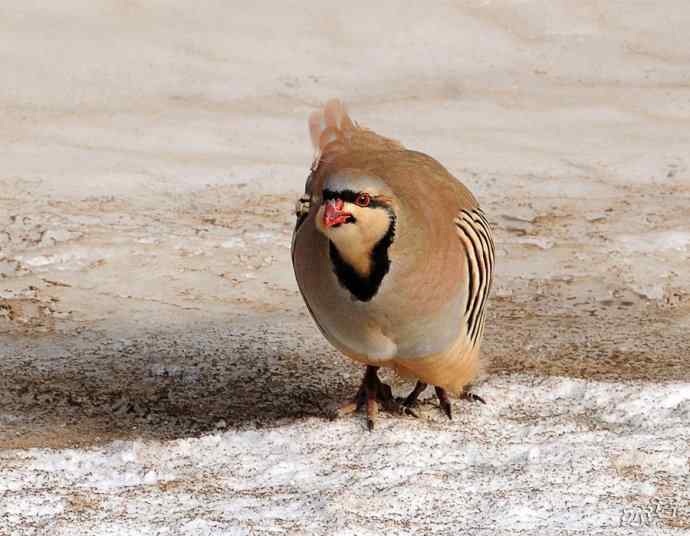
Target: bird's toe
column 471, row 397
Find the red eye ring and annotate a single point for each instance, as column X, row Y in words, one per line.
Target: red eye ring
column 363, row 199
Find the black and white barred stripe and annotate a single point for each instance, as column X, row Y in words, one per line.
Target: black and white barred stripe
column 475, row 233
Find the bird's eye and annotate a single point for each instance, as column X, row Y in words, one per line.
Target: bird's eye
column 363, row 199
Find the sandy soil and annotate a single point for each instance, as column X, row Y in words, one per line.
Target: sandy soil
column 151, row 158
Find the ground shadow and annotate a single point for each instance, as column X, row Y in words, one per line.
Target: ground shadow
column 87, row 388
column 167, row 385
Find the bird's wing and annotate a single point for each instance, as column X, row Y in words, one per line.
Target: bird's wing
column 476, row 235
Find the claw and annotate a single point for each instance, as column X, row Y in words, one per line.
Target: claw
column 471, row 397
column 407, row 411
column 372, row 394
column 353, row 405
column 346, row 409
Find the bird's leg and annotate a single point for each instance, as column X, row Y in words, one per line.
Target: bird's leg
column 371, row 393
column 444, row 401
column 372, row 381
column 411, row 400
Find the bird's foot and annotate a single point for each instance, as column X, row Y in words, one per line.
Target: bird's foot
column 411, row 401
column 471, row 397
column 372, row 393
column 443, row 399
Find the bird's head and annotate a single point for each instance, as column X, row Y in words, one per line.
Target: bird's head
column 356, row 214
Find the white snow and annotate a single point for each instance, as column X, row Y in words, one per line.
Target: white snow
column 68, row 259
column 234, row 242
column 651, row 242
column 539, row 456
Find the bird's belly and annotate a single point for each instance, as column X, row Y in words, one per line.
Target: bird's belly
column 356, row 334
column 375, row 332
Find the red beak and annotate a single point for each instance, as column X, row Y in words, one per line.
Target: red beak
column 334, row 214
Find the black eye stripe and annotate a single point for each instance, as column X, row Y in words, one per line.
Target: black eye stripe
column 345, row 195
column 351, row 197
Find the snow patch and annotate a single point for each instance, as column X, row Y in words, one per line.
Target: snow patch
column 654, row 242
column 72, row 259
column 234, row 242
column 538, row 455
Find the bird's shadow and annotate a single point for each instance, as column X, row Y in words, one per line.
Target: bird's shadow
column 173, row 385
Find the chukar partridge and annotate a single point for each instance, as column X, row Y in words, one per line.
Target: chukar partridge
column 394, row 259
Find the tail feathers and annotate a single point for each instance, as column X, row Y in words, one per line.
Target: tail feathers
column 332, row 132
column 329, row 124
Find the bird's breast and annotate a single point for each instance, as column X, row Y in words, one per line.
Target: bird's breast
column 396, row 322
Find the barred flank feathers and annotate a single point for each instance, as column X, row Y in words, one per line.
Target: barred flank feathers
column 475, row 233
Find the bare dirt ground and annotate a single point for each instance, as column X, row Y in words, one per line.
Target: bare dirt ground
column 119, row 322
